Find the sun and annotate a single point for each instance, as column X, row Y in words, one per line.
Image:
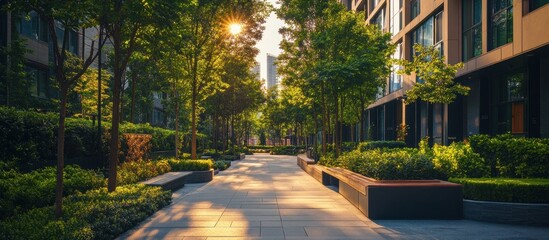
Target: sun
column 235, row 28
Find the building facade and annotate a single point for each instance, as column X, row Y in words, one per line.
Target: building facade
column 505, row 52
column 272, row 74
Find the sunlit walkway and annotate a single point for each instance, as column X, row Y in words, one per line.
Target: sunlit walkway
column 270, row 197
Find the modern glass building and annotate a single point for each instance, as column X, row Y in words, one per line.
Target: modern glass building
column 505, row 51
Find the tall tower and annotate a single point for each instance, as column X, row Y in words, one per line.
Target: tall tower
column 272, row 74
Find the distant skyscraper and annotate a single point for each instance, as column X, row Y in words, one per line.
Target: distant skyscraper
column 257, row 71
column 272, row 74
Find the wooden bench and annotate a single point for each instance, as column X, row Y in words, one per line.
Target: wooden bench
column 397, row 199
column 308, row 165
column 168, row 181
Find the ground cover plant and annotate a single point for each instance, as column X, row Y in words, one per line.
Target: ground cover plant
column 96, row 214
column 21, row 192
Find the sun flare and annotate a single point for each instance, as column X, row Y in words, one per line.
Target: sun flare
column 235, row 28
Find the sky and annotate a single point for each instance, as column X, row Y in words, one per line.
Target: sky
column 270, row 41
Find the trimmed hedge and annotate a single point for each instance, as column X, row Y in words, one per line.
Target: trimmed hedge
column 507, row 156
column 37, row 189
column 365, row 146
column 162, row 139
column 95, row 214
column 29, row 139
column 287, row 150
column 505, row 189
column 260, row 147
column 190, row 165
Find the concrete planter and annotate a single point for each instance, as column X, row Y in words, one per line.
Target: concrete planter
column 504, row 212
column 199, row 176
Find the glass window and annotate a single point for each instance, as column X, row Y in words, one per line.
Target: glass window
column 379, row 20
column 395, row 80
column 415, row 8
column 424, row 34
column 72, row 41
column 501, row 23
column 38, row 82
column 472, row 29
column 396, row 16
column 33, row 27
column 535, row 4
column 509, row 106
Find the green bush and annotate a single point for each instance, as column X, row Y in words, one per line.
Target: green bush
column 190, row 165
column 96, row 214
column 134, row 172
column 391, row 164
column 37, row 189
column 28, row 139
column 508, row 156
column 505, row 190
column 222, row 165
column 162, row 139
column 365, row 146
column 459, row 160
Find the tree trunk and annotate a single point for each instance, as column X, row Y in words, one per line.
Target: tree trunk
column 193, row 124
column 336, row 125
column 132, row 104
column 60, row 152
column 114, row 146
column 177, row 128
column 361, row 126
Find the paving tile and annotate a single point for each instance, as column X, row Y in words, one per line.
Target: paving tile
column 272, row 232
column 271, row 198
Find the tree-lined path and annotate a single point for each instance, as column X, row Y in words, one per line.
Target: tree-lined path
column 270, row 197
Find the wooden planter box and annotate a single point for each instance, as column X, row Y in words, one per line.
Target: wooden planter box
column 504, row 212
column 199, row 176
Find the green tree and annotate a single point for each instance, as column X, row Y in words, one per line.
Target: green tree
column 204, row 40
column 437, row 77
column 437, row 83
column 87, row 89
column 72, row 16
column 126, row 23
column 328, row 53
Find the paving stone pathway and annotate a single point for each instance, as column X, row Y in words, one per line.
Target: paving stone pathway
column 270, row 197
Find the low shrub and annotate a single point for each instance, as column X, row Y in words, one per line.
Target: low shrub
column 365, row 146
column 508, row 156
column 134, row 172
column 391, row 164
column 190, row 165
column 222, row 165
column 37, row 189
column 96, row 214
column 505, row 189
column 459, row 160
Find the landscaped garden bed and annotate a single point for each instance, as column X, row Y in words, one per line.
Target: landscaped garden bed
column 508, row 160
